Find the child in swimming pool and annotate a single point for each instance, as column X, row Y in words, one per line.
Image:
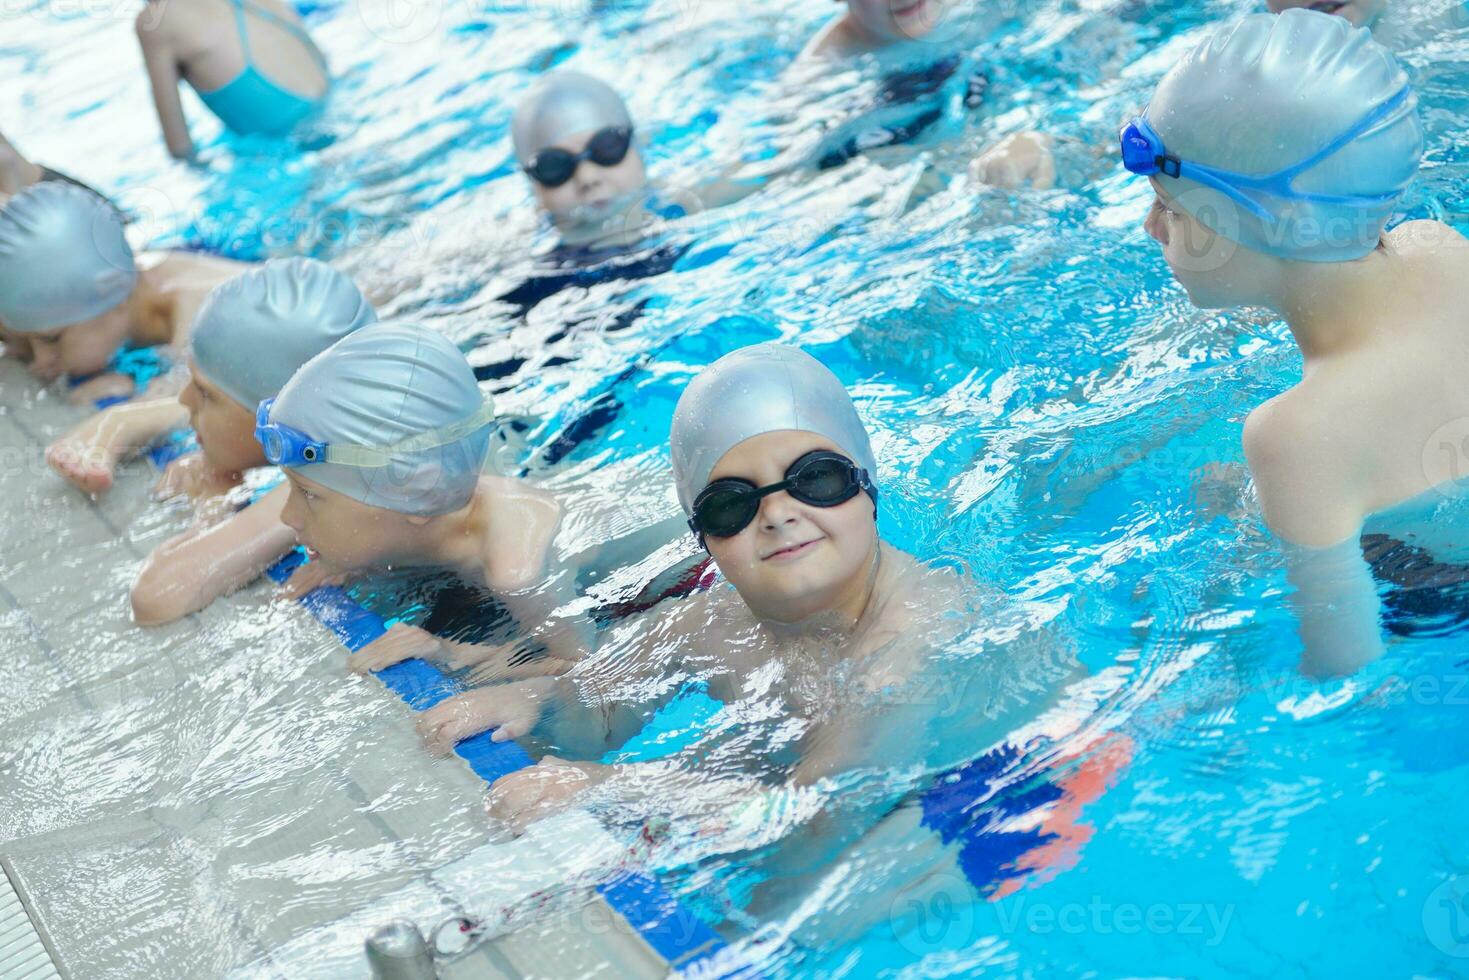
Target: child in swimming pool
column 400, row 484
column 72, row 289
column 251, row 335
column 1325, row 122
column 250, row 61
column 774, row 467
column 577, row 146
column 899, row 33
column 289, row 310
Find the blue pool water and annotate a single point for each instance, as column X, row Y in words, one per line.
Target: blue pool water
column 1048, row 410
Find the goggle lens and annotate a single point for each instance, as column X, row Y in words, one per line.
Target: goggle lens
column 554, row 166
column 820, row 479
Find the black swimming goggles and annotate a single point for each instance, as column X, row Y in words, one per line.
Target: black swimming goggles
column 822, row 479
column 554, row 166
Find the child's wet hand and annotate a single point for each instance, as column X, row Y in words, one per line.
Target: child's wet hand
column 511, row 709
column 1018, row 160
column 310, row 577
column 401, row 642
column 521, row 798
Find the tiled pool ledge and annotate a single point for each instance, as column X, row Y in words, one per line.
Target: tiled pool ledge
column 678, row 937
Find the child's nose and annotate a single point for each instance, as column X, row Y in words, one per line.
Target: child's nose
column 1155, row 225
column 776, row 510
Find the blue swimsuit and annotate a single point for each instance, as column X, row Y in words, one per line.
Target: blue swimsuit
column 253, row 103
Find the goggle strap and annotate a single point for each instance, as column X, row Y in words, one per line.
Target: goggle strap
column 1363, row 125
column 1234, row 185
column 374, row 456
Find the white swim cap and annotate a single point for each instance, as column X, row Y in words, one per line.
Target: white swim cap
column 384, row 384
column 63, row 258
column 751, row 391
column 564, row 103
column 1270, row 92
column 255, row 331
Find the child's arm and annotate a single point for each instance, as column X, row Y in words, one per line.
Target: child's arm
column 163, row 73
column 189, row 572
column 89, row 454
column 566, row 638
column 595, row 705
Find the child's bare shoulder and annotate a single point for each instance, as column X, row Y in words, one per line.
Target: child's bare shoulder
column 833, row 42
column 517, row 547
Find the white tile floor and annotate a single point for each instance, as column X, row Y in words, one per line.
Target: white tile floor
column 219, row 797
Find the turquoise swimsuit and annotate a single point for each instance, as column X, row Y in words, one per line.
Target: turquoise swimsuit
column 253, row 103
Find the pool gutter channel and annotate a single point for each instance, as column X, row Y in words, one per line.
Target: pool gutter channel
column 26, row 950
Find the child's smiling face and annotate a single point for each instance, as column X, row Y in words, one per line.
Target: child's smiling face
column 794, row 560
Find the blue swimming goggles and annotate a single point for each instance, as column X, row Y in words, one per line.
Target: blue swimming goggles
column 285, row 446
column 1143, row 153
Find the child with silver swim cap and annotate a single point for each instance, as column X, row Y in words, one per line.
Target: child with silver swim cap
column 575, row 142
column 775, row 471
column 384, row 439
column 898, row 35
column 1277, row 152
column 251, row 62
column 251, row 335
column 262, row 324
column 72, row 288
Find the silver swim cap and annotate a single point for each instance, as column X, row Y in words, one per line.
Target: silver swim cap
column 754, row 390
column 63, row 258
column 562, row 104
column 255, row 331
column 1272, row 91
column 384, row 384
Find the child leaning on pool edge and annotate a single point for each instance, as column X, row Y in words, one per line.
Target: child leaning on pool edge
column 384, row 440
column 773, row 467
column 252, row 335
column 74, row 294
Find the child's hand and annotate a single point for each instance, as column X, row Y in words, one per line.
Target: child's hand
column 511, row 709
column 1018, row 160
column 192, row 476
column 401, row 642
column 523, row 797
column 100, row 387
column 310, row 577
column 84, row 457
